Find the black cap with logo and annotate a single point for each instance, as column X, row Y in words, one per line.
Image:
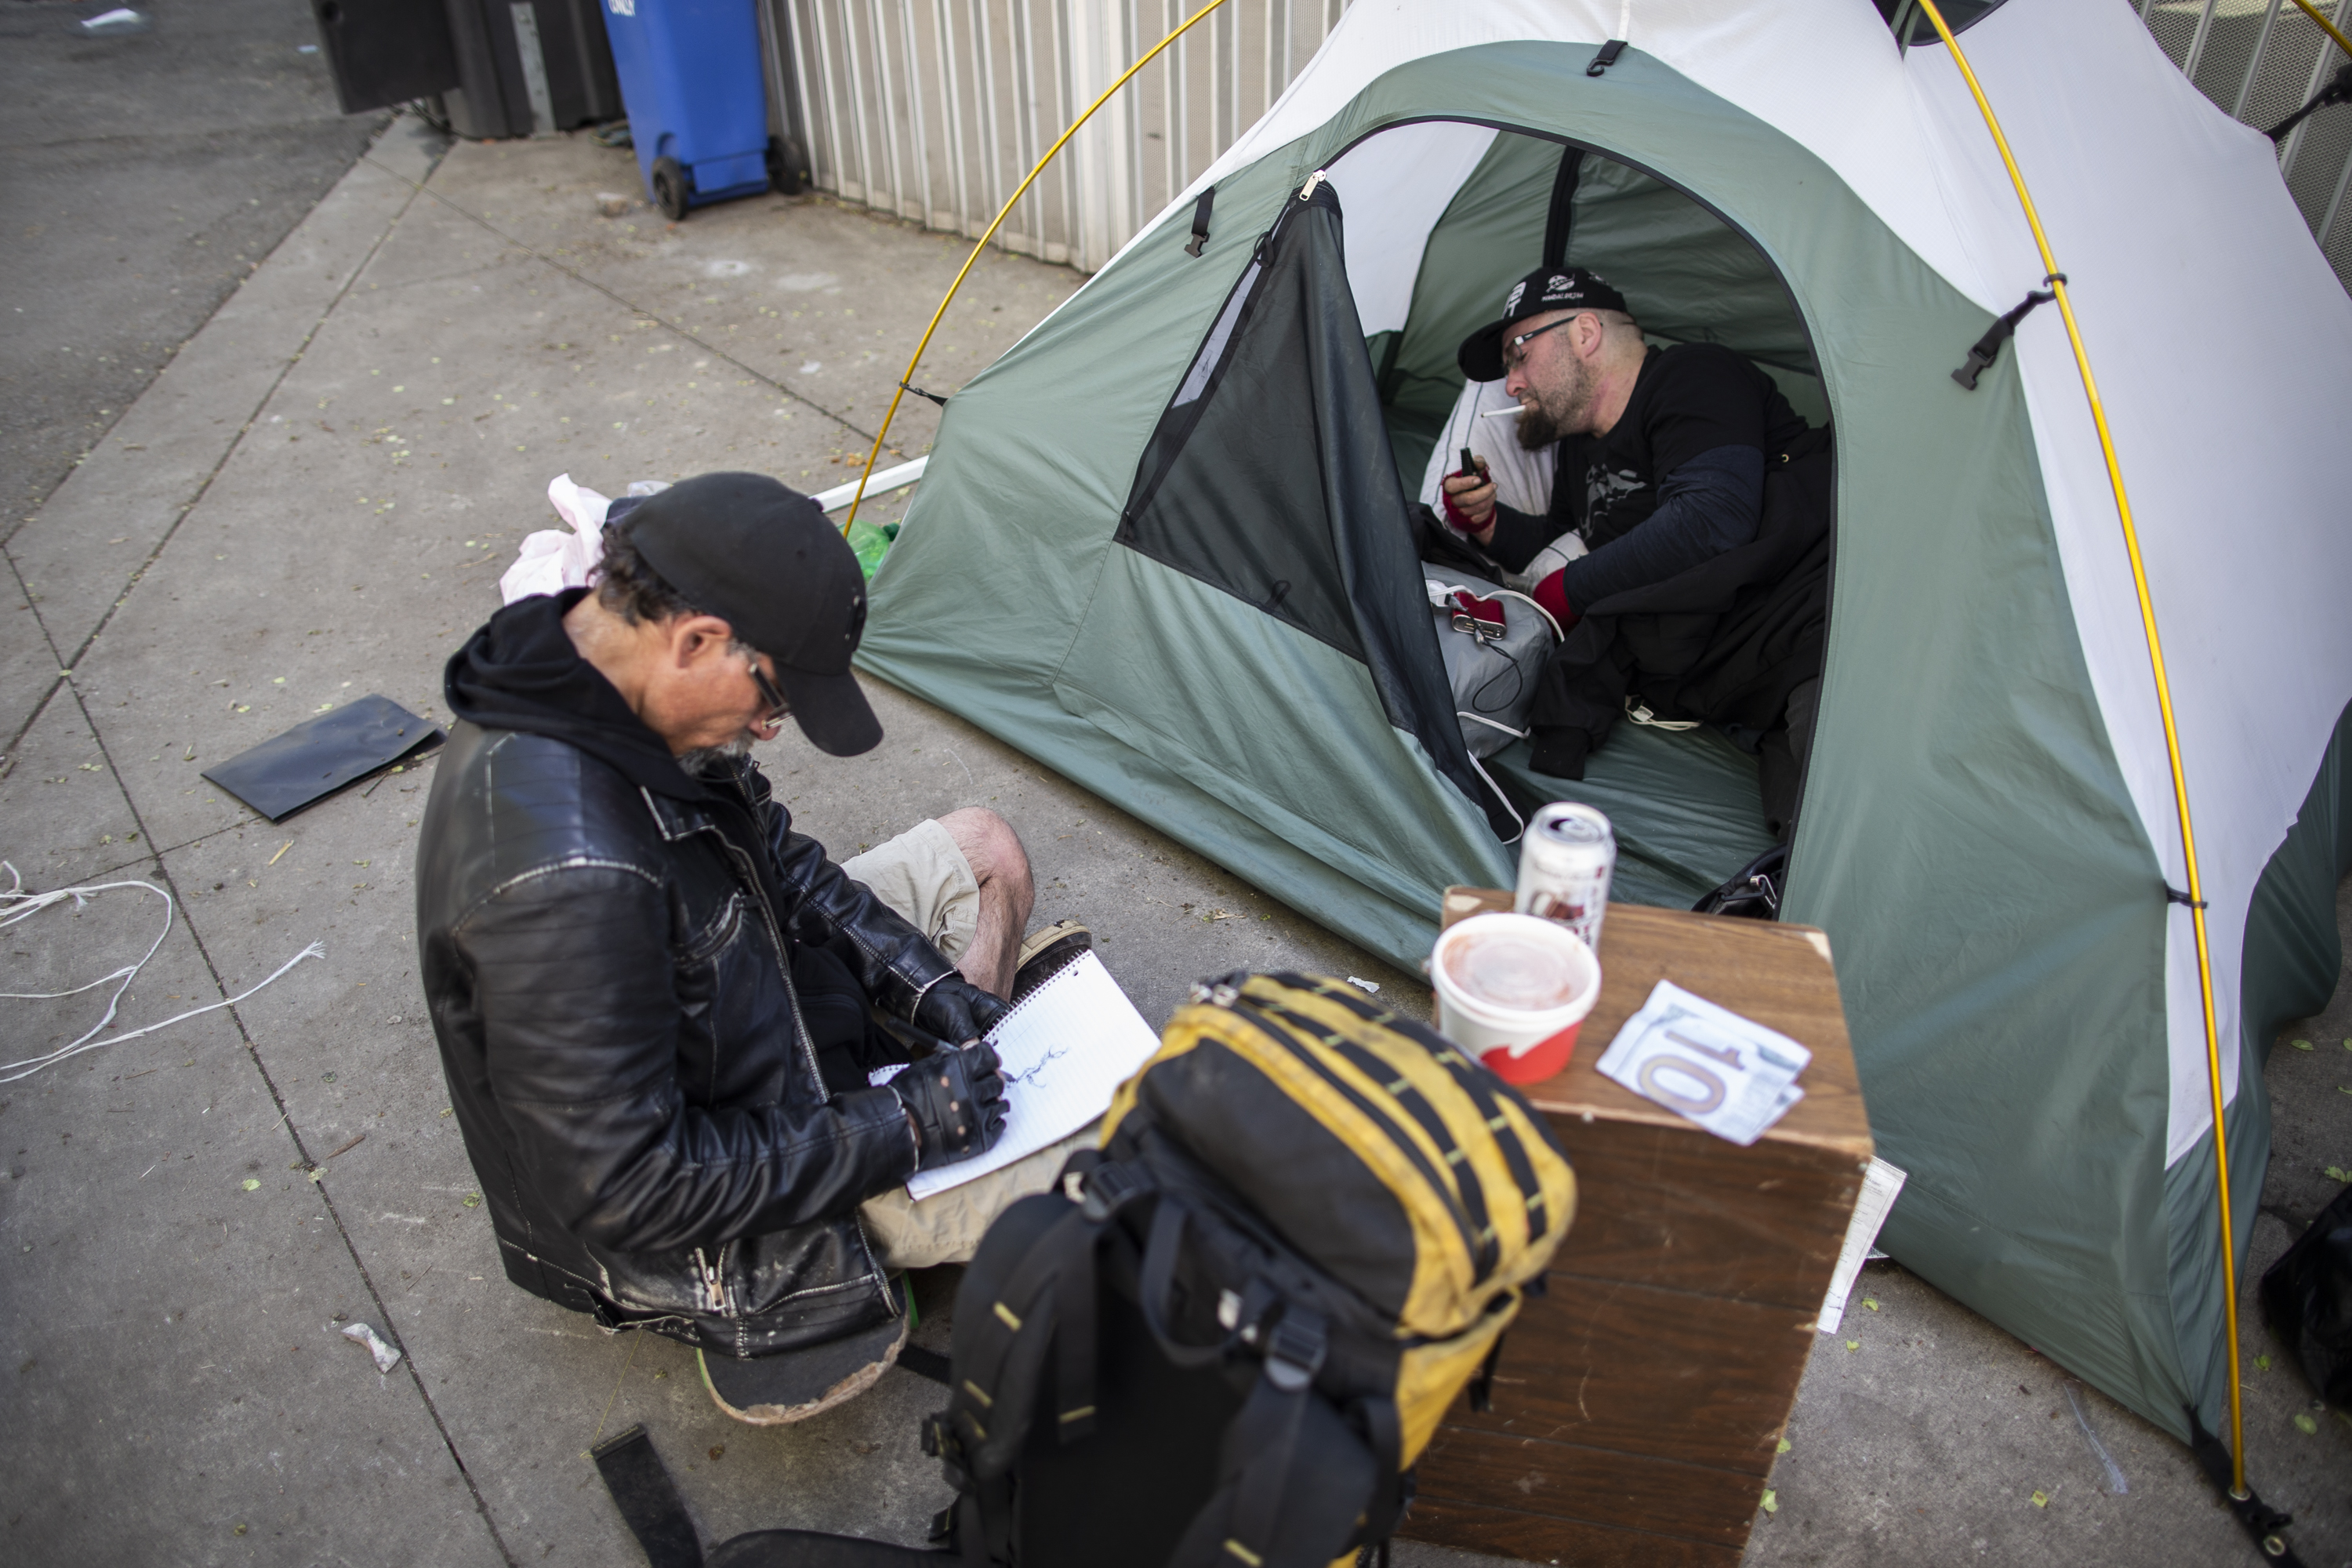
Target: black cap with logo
column 1545, row 289
column 764, row 560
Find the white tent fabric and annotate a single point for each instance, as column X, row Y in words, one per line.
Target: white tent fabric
column 2222, row 342
column 1408, row 176
column 2228, row 440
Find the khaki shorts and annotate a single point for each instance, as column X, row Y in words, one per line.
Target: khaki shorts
column 923, row 877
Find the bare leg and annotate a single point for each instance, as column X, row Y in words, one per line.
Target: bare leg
column 1006, row 894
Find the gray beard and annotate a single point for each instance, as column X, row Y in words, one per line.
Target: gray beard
column 701, row 757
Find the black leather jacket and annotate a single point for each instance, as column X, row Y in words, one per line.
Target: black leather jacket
column 638, row 1089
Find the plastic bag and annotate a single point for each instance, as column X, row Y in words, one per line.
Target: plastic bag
column 552, row 561
column 2308, row 1301
column 871, row 544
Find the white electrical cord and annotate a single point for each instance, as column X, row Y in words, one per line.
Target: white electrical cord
column 17, row 904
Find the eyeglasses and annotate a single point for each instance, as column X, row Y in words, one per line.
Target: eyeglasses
column 779, row 709
column 1513, row 348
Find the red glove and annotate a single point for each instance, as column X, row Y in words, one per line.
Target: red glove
column 1456, row 519
column 1552, row 594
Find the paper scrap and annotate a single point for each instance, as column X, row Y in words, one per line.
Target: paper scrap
column 1881, row 1183
column 386, row 1357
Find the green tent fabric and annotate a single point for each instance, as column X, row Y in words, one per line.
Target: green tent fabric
column 1981, row 836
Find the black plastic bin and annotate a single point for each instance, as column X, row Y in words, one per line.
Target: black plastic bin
column 499, row 68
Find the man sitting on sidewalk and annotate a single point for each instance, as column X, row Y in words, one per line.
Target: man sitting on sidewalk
column 656, row 1004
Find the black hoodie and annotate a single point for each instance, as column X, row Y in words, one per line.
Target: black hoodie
column 521, row 671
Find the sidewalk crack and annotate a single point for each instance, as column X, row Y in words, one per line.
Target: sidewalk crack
column 204, row 486
column 286, row 1121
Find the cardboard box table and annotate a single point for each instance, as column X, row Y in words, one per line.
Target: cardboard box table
column 1639, row 1402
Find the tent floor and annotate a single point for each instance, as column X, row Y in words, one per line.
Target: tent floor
column 1684, row 804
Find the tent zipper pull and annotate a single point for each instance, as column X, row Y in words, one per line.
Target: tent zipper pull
column 1201, row 222
column 1606, row 57
column 1307, row 191
column 1988, row 347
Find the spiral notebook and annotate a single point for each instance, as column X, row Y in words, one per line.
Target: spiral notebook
column 1066, row 1047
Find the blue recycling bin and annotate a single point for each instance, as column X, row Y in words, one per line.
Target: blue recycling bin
column 691, row 81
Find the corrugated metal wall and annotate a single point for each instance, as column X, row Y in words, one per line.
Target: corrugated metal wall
column 935, row 108
column 2261, row 60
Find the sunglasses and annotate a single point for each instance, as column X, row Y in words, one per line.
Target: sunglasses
column 779, row 707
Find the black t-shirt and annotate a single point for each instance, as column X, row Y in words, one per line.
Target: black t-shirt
column 1690, row 399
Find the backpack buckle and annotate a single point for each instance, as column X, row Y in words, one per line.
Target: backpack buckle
column 1109, row 1187
column 1295, row 1352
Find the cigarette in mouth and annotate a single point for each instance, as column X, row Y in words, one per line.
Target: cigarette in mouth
column 1513, row 412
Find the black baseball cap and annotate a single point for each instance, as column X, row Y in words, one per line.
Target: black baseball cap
column 764, row 560
column 1545, row 288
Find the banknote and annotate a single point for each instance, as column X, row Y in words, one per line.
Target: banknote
column 1730, row 1075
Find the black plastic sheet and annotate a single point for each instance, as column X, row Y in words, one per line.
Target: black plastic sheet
column 319, row 756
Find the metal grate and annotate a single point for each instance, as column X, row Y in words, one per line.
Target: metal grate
column 934, row 110
column 2261, row 60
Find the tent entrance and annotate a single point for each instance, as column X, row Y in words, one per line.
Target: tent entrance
column 1507, row 201
column 1282, row 468
column 1494, row 203
column 1268, row 477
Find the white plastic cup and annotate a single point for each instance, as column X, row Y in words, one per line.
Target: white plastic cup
column 1523, row 1043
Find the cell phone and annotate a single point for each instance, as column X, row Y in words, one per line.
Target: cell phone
column 1469, row 463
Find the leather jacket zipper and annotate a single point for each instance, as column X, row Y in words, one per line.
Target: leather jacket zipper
column 783, row 963
column 713, row 1289
column 751, row 875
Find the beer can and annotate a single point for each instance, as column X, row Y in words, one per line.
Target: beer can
column 1566, row 858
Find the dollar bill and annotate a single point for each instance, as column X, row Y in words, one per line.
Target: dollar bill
column 1706, row 1063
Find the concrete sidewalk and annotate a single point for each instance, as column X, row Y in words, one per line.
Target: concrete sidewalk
column 314, row 502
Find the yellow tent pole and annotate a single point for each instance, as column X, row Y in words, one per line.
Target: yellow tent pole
column 912, row 364
column 2056, row 281
column 2325, row 26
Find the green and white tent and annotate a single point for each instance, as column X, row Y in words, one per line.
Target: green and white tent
column 1161, row 549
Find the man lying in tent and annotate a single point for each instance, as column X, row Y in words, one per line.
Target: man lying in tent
column 1692, row 505
column 657, row 1003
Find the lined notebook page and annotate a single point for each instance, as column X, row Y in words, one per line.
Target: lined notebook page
column 1066, row 1047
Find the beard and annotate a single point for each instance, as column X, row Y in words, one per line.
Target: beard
column 1559, row 409
column 701, row 757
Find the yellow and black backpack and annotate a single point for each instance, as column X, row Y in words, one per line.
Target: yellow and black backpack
column 1229, row 1335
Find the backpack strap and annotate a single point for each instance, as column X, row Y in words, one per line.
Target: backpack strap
column 647, row 1499
column 1487, row 1253
column 1476, row 1082
column 1004, row 1315
column 1158, row 1275
column 1031, row 1287
column 1251, row 1010
column 1294, row 1481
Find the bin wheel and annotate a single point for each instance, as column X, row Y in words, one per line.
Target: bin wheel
column 672, row 187
column 787, row 165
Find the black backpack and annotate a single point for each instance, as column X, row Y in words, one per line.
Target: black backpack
column 1232, row 1333
column 1228, row 1334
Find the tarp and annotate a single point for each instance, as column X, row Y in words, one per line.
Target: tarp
column 1988, row 829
